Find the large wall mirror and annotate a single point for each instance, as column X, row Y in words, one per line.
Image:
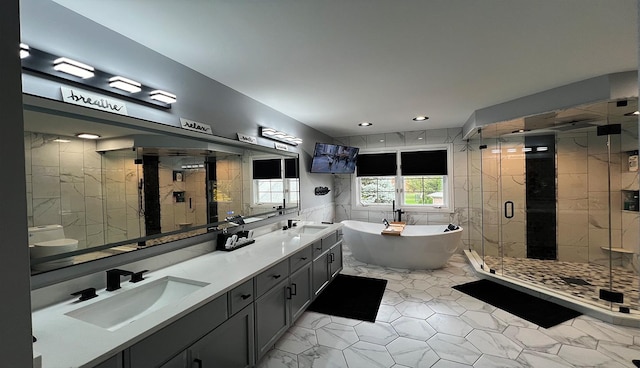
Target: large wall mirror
column 135, row 187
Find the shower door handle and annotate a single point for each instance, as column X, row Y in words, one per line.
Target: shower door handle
column 508, row 209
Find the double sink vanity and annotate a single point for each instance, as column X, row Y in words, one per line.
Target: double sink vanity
column 222, row 309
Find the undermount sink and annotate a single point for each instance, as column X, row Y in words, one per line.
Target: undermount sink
column 311, row 229
column 121, row 309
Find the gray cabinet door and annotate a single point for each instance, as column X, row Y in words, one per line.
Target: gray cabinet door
column 113, row 362
column 301, row 294
column 272, row 317
column 230, row 345
column 179, row 361
column 335, row 260
column 163, row 345
column 320, row 273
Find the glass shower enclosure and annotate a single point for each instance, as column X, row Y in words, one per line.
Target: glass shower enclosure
column 554, row 203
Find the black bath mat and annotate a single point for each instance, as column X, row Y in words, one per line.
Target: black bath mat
column 352, row 297
column 576, row 281
column 539, row 311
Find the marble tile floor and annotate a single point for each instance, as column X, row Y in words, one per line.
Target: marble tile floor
column 423, row 322
column 550, row 274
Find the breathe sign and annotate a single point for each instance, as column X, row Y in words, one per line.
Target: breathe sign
column 92, row 101
column 195, row 126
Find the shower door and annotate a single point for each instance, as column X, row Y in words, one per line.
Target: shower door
column 519, row 195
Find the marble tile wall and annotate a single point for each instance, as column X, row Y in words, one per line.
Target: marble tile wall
column 191, row 212
column 64, row 186
column 121, row 176
column 345, row 209
column 582, row 197
column 230, row 181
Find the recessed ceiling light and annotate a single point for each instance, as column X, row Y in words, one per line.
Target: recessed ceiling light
column 87, row 136
column 420, row 138
column 420, row 118
column 365, row 124
column 382, row 140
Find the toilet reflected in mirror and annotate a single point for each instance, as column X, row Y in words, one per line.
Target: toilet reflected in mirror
column 49, row 240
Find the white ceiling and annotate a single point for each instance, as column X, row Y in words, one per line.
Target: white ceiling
column 333, row 63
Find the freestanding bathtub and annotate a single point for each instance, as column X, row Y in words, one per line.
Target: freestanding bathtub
column 419, row 246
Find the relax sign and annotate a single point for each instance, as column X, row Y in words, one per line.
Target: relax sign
column 195, row 126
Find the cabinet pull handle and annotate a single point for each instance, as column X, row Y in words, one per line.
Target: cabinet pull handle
column 289, row 294
column 294, row 290
column 198, row 362
column 319, row 248
column 304, row 258
column 276, row 276
column 331, row 257
column 245, row 296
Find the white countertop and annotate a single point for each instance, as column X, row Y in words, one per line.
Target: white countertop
column 64, row 341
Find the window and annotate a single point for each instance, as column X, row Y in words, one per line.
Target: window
column 411, row 178
column 272, row 185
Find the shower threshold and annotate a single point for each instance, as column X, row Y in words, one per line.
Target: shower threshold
column 538, row 282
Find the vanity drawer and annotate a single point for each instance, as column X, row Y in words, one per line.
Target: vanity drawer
column 176, row 337
column 271, row 277
column 240, row 297
column 316, row 248
column 300, row 259
column 329, row 240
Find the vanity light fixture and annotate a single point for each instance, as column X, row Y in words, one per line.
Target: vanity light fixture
column 511, row 150
column 87, row 136
column 280, row 136
column 24, row 50
column 125, row 84
column 73, row 67
column 365, row 124
column 420, row 118
column 527, row 149
column 495, row 151
column 541, row 148
column 163, row 96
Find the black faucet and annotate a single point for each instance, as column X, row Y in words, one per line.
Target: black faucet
column 113, row 278
column 291, row 223
column 399, row 212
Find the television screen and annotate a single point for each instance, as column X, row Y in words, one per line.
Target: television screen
column 334, row 159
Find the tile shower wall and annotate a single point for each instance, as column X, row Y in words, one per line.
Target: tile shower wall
column 64, row 186
column 229, row 179
column 191, row 212
column 343, row 184
column 123, row 217
column 582, row 198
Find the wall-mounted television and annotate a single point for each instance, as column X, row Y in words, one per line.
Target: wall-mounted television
column 334, row 159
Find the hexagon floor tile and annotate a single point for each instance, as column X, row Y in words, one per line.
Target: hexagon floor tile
column 422, row 322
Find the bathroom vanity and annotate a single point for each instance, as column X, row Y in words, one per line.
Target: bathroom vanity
column 222, row 309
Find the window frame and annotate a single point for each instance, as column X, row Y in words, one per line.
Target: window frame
column 285, row 185
column 448, row 205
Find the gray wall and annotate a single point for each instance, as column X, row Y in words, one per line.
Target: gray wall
column 15, row 316
column 57, row 30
